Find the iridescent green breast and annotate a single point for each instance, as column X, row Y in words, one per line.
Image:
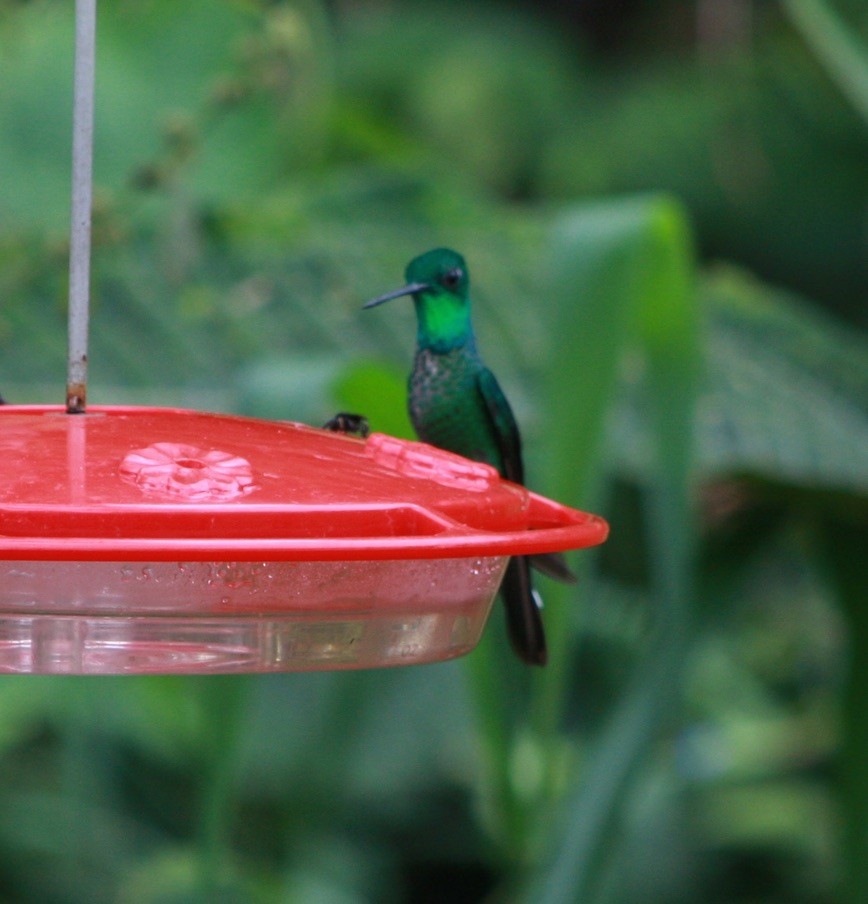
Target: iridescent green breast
column 446, row 407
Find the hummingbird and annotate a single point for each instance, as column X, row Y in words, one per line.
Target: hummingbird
column 456, row 403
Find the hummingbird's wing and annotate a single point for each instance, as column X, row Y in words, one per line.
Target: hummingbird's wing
column 553, row 565
column 522, row 603
column 503, row 426
column 505, row 430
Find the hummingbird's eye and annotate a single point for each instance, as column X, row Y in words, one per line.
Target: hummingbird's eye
column 451, row 278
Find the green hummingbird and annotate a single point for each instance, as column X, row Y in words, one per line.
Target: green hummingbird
column 456, row 403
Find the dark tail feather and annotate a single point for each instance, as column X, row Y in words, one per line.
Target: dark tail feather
column 523, row 617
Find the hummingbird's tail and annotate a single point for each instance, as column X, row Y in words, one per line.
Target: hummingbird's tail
column 523, row 616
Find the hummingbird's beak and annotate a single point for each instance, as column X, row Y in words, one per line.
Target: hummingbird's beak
column 409, row 289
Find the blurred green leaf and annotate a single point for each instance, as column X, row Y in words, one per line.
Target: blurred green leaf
column 784, row 394
column 787, row 390
column 437, row 71
column 297, row 388
column 757, row 143
column 379, row 392
column 625, row 275
column 218, row 118
column 170, row 877
column 836, row 45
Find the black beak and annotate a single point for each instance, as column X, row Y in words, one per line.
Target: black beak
column 409, row 289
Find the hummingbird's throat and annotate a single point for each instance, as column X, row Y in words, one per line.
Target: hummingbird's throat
column 444, row 323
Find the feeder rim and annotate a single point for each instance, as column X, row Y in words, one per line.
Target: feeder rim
column 392, row 528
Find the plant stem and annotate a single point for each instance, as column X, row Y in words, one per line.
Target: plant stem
column 845, row 554
column 223, row 701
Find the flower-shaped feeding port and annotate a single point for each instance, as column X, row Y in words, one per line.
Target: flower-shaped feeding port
column 151, row 540
column 176, row 469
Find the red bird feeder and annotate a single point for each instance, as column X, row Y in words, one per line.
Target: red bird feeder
column 150, row 540
column 138, row 540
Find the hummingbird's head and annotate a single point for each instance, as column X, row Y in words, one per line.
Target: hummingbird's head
column 432, row 274
column 440, row 271
column 439, row 283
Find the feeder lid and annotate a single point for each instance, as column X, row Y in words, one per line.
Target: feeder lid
column 124, row 483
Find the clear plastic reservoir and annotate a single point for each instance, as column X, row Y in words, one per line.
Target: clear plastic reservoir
column 135, row 617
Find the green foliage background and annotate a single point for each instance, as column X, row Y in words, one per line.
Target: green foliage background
column 668, row 252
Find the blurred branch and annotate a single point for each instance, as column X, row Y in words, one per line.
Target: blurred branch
column 835, row 46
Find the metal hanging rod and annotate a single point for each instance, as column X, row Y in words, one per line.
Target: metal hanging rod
column 82, row 194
